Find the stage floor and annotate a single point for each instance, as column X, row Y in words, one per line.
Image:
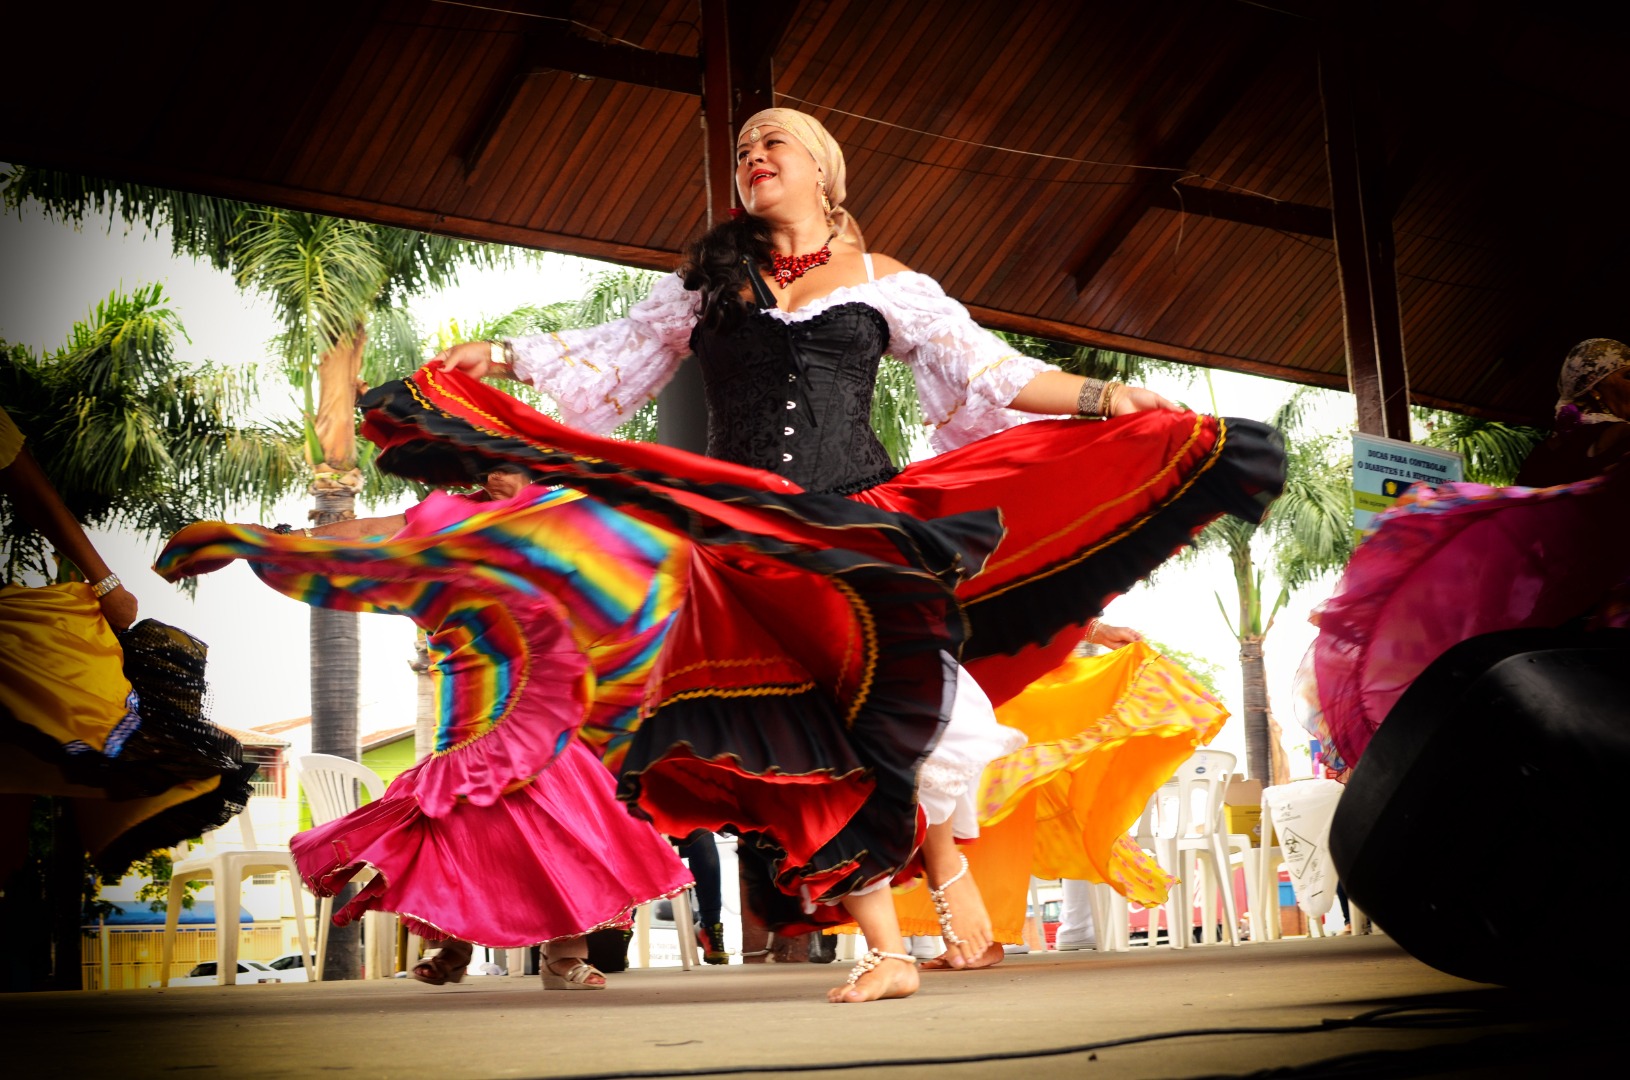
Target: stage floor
column 1205, row 1011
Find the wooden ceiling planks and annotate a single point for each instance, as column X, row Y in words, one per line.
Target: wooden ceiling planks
column 1505, row 140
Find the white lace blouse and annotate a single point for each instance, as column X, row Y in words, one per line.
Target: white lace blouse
column 966, row 376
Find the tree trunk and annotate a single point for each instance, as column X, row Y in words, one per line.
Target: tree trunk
column 424, row 713
column 1258, row 744
column 335, row 662
column 335, row 677
column 1276, row 745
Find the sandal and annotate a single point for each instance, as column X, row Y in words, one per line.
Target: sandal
column 444, row 967
column 576, row 978
column 942, row 906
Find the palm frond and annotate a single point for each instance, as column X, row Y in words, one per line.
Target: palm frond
column 1097, row 363
column 897, row 414
column 1493, row 452
column 132, row 438
column 395, row 346
column 612, row 294
column 522, row 322
column 201, row 226
column 415, row 262
column 321, row 274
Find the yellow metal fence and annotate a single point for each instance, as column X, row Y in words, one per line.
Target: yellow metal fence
column 117, row 959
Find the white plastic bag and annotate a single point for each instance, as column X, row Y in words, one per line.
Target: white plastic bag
column 1302, row 812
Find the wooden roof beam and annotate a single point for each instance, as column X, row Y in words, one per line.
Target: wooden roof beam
column 549, row 50
column 755, row 35
column 1245, row 209
column 1211, row 105
column 736, row 80
column 676, row 73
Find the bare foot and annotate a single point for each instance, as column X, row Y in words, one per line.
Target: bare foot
column 989, row 958
column 966, row 920
column 889, row 979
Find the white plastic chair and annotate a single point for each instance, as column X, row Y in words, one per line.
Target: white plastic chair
column 1197, row 845
column 227, row 868
column 333, row 786
column 684, row 925
column 1111, row 914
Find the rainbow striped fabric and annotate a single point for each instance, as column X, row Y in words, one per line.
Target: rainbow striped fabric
column 545, row 614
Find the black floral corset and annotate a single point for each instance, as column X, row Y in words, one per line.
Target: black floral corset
column 796, row 398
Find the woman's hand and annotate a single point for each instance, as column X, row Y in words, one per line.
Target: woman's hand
column 1137, row 399
column 118, row 608
column 1112, row 637
column 474, row 358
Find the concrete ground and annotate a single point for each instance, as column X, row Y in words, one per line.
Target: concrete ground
column 1274, row 1008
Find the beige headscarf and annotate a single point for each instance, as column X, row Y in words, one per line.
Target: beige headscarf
column 827, row 154
column 1587, row 364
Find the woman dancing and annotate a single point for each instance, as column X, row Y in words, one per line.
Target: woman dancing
column 107, row 715
column 803, row 693
column 1101, row 733
column 1450, row 563
column 544, row 611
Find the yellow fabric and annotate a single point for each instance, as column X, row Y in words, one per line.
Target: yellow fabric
column 11, row 440
column 101, row 822
column 61, row 668
column 1102, row 734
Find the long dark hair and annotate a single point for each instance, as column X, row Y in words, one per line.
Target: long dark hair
column 717, row 266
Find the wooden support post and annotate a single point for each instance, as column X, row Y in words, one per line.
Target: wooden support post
column 682, row 406
column 737, row 53
column 1361, row 217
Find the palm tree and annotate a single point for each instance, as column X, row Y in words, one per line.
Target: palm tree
column 331, row 281
column 1308, row 536
column 1493, row 451
column 130, row 437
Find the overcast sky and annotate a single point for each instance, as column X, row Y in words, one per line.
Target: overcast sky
column 51, row 275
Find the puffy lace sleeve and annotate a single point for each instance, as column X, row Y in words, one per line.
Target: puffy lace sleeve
column 600, row 375
column 965, row 374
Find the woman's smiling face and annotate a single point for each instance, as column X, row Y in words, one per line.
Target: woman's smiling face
column 774, row 171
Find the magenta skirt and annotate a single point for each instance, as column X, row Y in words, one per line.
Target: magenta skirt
column 553, row 859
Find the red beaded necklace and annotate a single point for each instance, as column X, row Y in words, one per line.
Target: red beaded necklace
column 789, row 268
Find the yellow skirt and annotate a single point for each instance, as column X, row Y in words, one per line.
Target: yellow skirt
column 140, row 766
column 61, row 668
column 1103, row 733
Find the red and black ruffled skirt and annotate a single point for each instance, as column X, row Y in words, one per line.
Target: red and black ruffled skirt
column 809, row 671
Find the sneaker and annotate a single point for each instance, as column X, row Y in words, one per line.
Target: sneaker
column 1075, row 945
column 823, row 948
column 711, row 937
column 925, row 947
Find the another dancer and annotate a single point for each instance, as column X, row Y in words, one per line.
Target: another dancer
column 544, row 611
column 1101, row 733
column 108, row 715
column 1450, row 563
column 810, row 671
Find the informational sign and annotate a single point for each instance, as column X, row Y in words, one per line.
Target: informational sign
column 1384, row 469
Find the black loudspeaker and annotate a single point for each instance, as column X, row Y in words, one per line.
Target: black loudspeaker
column 1486, row 809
